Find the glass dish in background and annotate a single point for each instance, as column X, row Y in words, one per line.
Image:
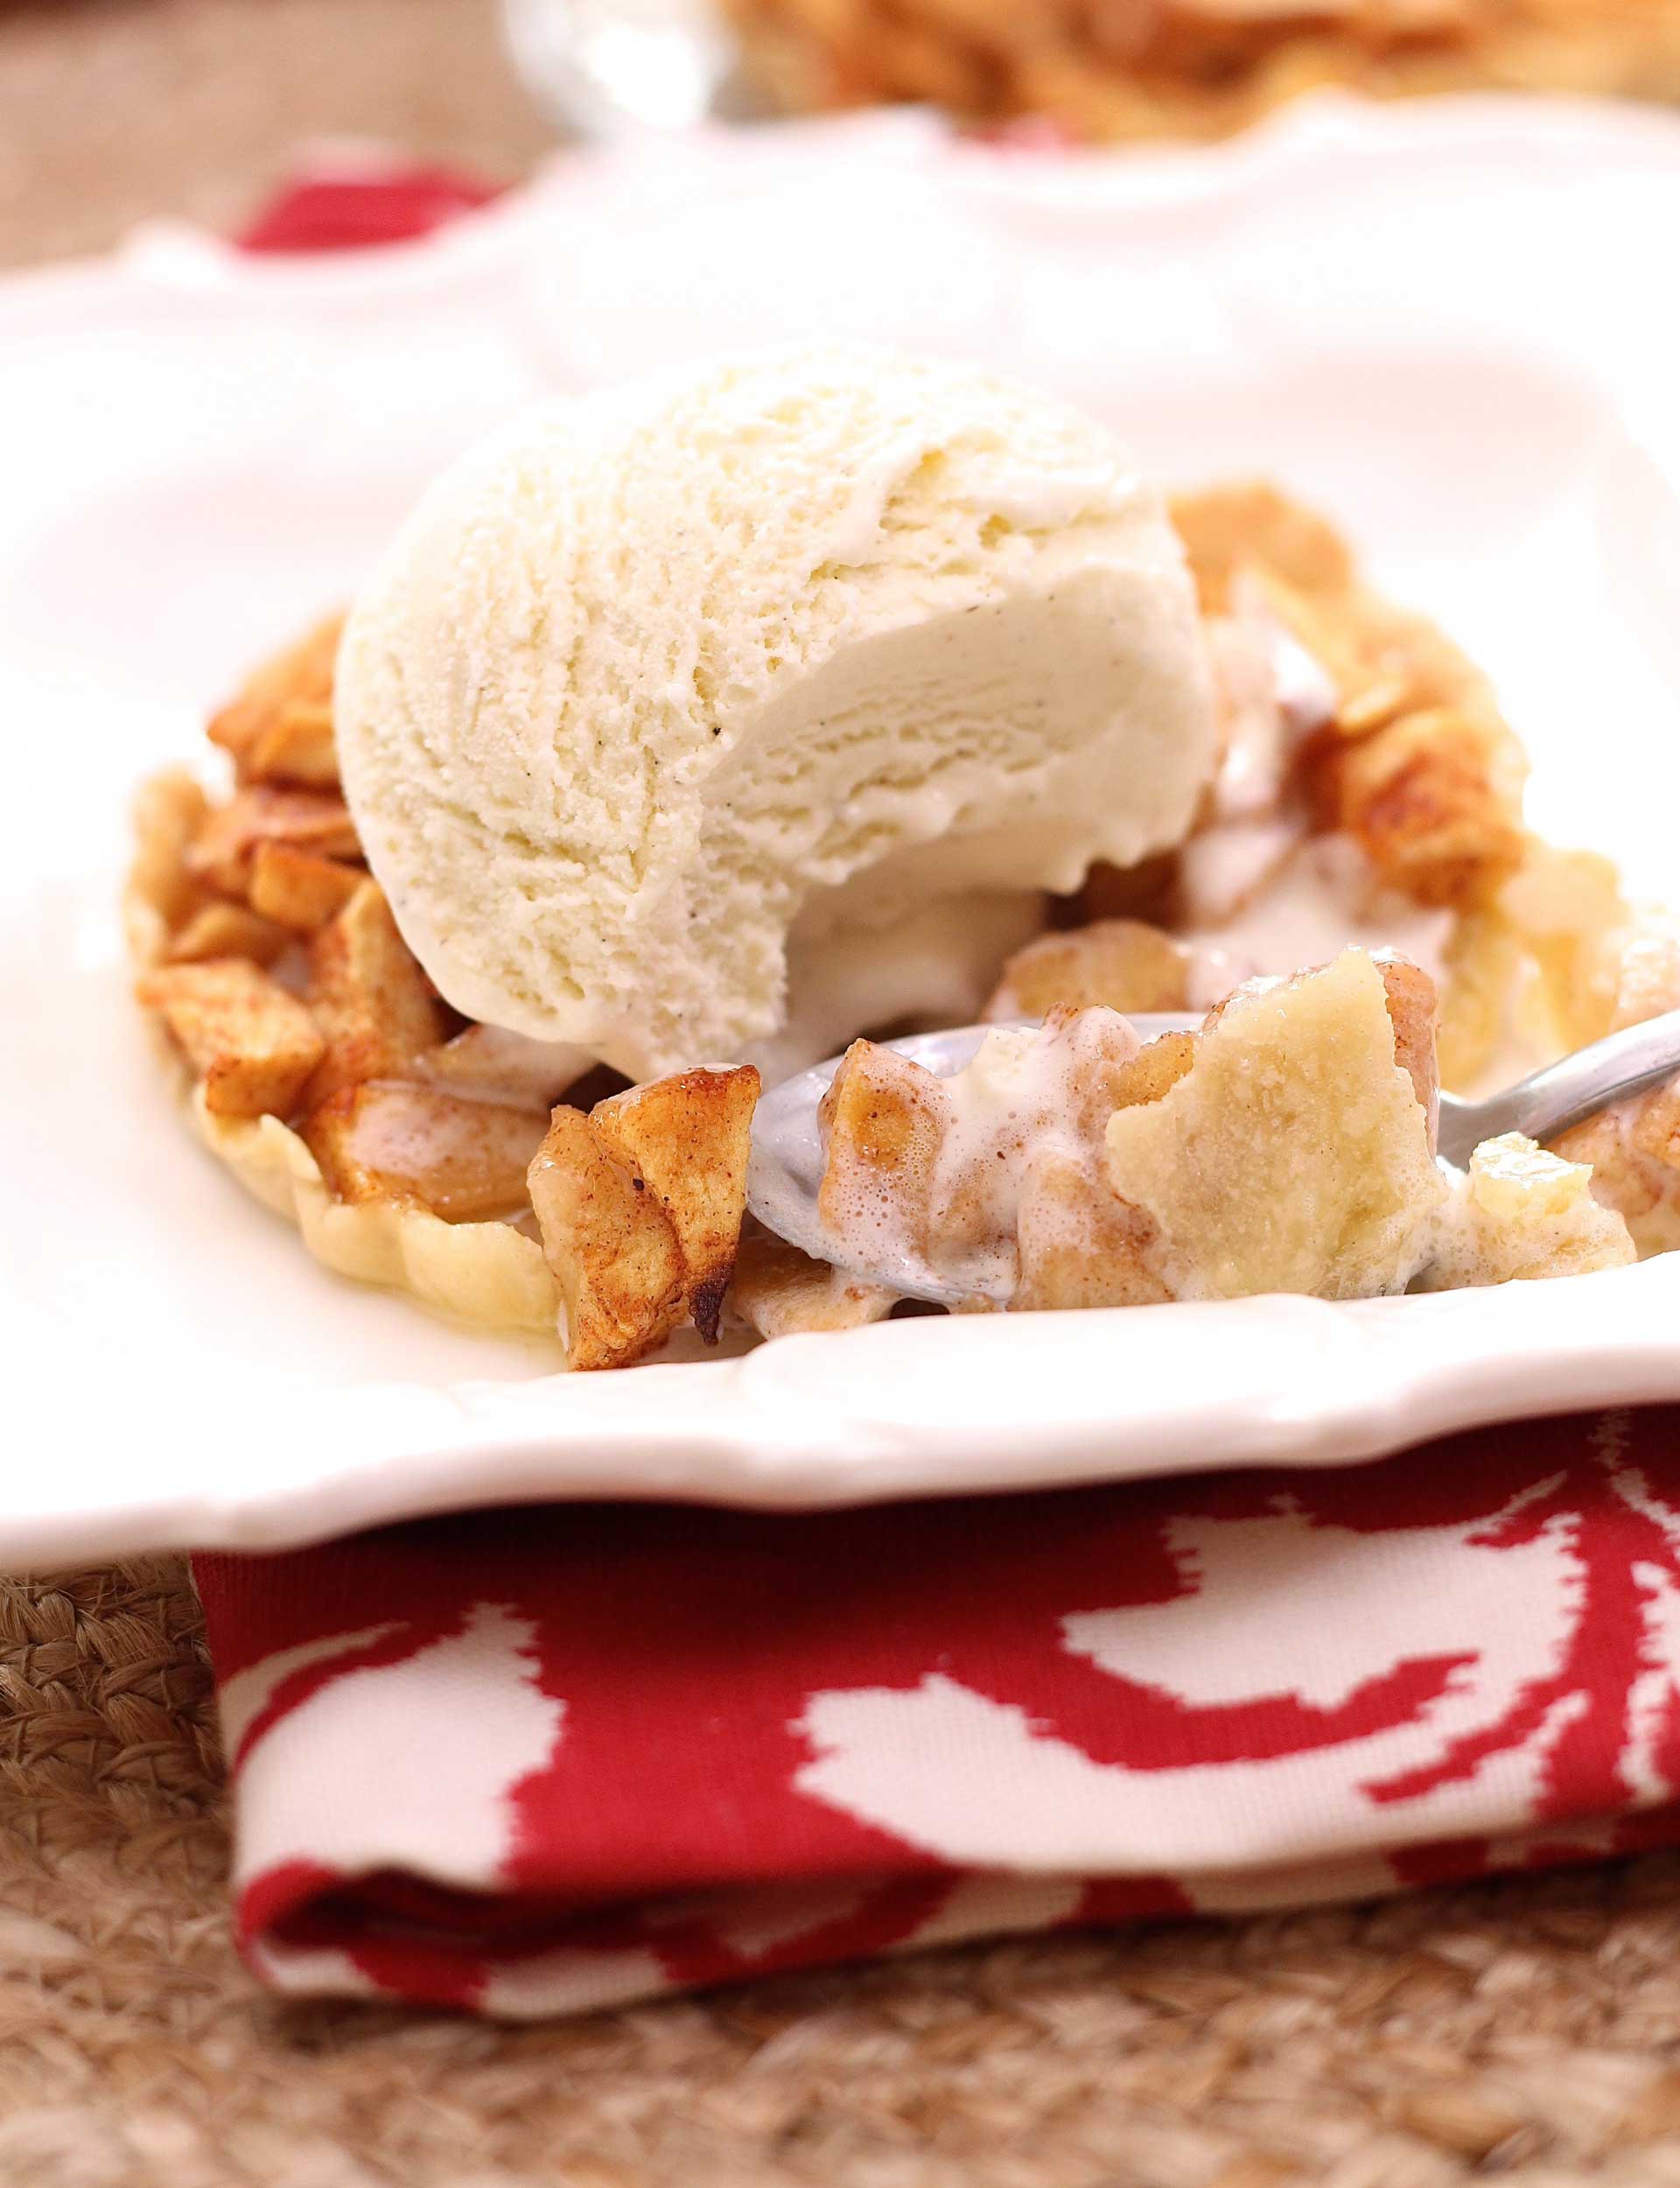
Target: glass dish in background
column 1100, row 70
column 612, row 67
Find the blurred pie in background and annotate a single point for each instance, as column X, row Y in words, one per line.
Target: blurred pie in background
column 1109, row 69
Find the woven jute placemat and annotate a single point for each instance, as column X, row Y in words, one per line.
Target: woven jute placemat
column 1529, row 2030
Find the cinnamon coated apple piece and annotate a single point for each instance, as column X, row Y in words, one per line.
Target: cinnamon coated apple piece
column 779, row 1291
column 640, row 1206
column 688, row 1138
column 224, row 851
column 298, row 889
column 1125, row 964
column 1154, row 1071
column 884, row 1120
column 611, row 1247
column 221, row 930
column 279, row 728
column 464, row 1160
column 1228, row 529
column 253, row 1046
column 1081, row 1243
column 374, row 1006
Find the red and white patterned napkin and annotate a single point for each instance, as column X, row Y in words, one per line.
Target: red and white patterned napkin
column 536, row 1761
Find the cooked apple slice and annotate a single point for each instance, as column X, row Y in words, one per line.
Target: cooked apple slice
column 221, row 930
column 279, row 729
column 1125, row 964
column 225, row 847
column 611, row 1247
column 1021, row 1207
column 464, row 1160
column 375, row 1006
column 297, row 747
column 1081, row 1243
column 687, row 1137
column 253, row 1046
column 1155, row 1070
column 884, row 1120
column 1520, row 1212
column 163, row 893
column 1094, row 1064
column 299, row 889
column 1227, row 529
column 779, row 1291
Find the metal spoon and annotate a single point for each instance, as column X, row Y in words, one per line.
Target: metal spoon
column 786, row 1162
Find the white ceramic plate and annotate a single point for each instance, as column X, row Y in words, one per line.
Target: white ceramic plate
column 1453, row 325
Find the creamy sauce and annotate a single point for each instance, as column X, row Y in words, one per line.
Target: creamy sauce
column 1024, row 1099
column 1258, row 893
column 1272, row 693
column 1520, row 1212
column 1323, row 897
column 1224, row 868
column 937, row 965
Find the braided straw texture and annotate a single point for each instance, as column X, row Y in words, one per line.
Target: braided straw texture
column 1528, row 2031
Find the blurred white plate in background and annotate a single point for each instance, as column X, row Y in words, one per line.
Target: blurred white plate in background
column 1451, row 324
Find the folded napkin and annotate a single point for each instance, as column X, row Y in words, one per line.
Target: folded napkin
column 538, row 1761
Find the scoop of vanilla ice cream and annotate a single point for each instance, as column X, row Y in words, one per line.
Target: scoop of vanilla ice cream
column 822, row 635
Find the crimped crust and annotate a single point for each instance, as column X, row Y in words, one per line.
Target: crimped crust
column 487, row 1275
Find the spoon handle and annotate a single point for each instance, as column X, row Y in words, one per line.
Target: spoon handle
column 1575, row 1087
